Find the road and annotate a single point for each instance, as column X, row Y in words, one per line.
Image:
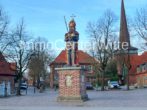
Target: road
column 99, row 100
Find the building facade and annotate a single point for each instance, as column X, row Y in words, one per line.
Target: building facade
column 7, row 72
column 84, row 60
column 141, row 71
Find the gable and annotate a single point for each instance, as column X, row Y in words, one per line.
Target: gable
column 82, row 58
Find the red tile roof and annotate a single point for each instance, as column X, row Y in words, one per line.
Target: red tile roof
column 5, row 67
column 82, row 58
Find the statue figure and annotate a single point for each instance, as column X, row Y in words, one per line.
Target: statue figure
column 72, row 35
column 71, row 39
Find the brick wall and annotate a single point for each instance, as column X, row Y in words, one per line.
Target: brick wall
column 141, row 79
column 77, row 86
column 72, row 84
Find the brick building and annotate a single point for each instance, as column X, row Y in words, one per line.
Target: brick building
column 128, row 61
column 7, row 71
column 84, row 60
column 141, row 70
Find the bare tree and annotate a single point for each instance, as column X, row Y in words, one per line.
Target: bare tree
column 38, row 65
column 102, row 33
column 140, row 24
column 38, row 68
column 4, row 33
column 18, row 51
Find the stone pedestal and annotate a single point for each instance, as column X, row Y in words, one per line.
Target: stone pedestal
column 71, row 84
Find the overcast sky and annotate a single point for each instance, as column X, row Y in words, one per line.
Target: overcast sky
column 45, row 18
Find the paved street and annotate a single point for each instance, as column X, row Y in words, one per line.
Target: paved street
column 108, row 99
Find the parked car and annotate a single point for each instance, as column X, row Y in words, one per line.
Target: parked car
column 113, row 84
column 89, row 86
column 23, row 86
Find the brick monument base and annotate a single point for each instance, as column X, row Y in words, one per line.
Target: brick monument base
column 72, row 84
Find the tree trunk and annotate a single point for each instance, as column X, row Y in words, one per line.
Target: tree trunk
column 18, row 88
column 38, row 81
column 34, row 81
column 97, row 81
column 103, row 81
column 128, row 84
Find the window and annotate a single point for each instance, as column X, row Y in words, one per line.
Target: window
column 145, row 78
column 88, row 67
column 143, row 67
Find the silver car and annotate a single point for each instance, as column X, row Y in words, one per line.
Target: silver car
column 113, row 84
column 23, row 86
